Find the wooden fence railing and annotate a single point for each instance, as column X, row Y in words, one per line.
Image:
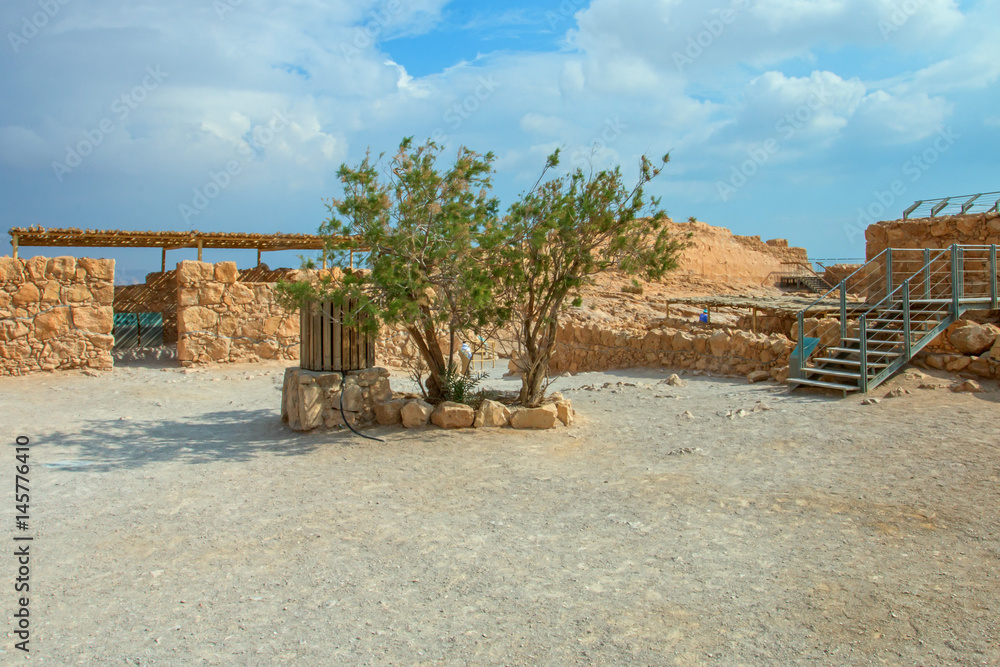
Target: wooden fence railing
column 327, row 345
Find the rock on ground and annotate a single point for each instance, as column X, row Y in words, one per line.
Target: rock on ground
column 453, row 415
column 416, row 413
column 492, row 414
column 535, row 418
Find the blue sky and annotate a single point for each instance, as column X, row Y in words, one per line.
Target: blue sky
column 784, row 118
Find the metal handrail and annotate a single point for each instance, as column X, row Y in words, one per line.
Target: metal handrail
column 967, row 203
column 844, row 281
column 906, row 285
column 951, row 271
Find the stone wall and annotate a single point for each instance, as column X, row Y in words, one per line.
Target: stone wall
column 837, row 272
column 718, row 254
column 908, row 236
column 55, row 314
column 310, row 400
column 591, row 348
column 939, row 232
column 220, row 319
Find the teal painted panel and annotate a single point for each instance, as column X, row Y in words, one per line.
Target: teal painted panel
column 126, row 330
column 150, row 329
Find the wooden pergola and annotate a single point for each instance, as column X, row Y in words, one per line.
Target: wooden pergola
column 116, row 238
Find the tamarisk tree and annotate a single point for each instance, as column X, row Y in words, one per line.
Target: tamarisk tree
column 421, row 227
column 556, row 237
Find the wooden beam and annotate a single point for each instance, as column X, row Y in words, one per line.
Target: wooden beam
column 13, row 244
column 258, row 256
column 199, row 250
column 163, row 262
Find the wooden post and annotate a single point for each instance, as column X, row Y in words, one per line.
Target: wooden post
column 753, row 322
column 352, row 260
column 258, row 256
column 13, row 244
column 199, row 250
column 163, row 261
column 324, row 259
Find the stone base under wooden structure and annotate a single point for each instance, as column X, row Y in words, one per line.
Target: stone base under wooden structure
column 311, row 399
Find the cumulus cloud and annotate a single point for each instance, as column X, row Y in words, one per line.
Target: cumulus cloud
column 707, row 80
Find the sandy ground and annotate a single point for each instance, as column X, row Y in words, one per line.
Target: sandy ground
column 177, row 522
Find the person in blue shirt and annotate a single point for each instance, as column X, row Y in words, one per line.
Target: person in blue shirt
column 704, row 316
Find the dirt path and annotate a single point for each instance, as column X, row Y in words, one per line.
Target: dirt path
column 177, row 522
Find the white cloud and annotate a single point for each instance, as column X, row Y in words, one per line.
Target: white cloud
column 614, row 88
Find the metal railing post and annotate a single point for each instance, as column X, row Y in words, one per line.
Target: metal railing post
column 906, row 318
column 961, row 272
column 954, row 279
column 863, row 335
column 843, row 309
column 993, row 277
column 888, row 271
column 927, row 273
column 802, row 341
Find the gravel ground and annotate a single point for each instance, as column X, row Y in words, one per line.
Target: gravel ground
column 176, row 521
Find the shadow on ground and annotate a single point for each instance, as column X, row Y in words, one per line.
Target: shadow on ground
column 235, row 435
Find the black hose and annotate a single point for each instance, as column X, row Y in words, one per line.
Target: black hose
column 343, row 385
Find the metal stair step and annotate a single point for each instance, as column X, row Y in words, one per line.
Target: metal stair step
column 870, row 342
column 851, row 362
column 833, row 373
column 871, row 353
column 825, row 385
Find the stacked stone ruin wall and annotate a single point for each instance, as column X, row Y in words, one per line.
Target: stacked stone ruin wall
column 221, row 319
column 837, row 273
column 591, row 348
column 55, row 314
column 981, row 229
column 938, row 232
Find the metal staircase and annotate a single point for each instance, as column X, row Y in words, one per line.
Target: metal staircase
column 815, row 284
column 898, row 303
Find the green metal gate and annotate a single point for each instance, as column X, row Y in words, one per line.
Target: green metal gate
column 134, row 330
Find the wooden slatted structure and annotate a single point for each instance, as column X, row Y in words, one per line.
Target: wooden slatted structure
column 116, row 238
column 325, row 344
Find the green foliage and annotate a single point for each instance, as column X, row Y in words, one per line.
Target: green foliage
column 440, row 260
column 421, row 227
column 460, row 388
column 562, row 233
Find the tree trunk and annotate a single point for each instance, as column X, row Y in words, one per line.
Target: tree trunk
column 538, row 353
column 531, row 386
column 534, row 375
column 434, row 358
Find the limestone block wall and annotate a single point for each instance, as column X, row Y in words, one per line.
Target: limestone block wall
column 55, row 314
column 310, row 399
column 837, row 272
column 980, row 229
column 938, row 232
column 591, row 348
column 221, row 319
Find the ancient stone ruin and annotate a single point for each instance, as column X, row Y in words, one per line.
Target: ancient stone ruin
column 58, row 313
column 55, row 314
